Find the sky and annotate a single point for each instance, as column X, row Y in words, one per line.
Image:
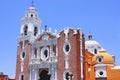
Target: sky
column 101, row 18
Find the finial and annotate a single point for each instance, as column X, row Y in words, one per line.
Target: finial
column 45, row 27
column 32, row 3
column 89, row 37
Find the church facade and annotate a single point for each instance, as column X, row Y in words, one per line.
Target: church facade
column 60, row 56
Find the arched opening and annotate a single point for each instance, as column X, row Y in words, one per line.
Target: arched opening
column 25, row 30
column 44, row 75
column 67, row 48
column 95, row 51
column 67, row 76
column 22, row 77
column 35, row 31
column 23, row 55
column 46, row 53
column 31, row 15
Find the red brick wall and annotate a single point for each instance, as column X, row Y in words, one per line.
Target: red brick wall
column 18, row 62
column 61, row 63
column 74, row 55
column 26, row 61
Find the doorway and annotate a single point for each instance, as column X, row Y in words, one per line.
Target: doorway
column 43, row 75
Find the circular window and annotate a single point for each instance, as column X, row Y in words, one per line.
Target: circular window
column 99, row 59
column 101, row 73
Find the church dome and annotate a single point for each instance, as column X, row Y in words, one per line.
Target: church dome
column 92, row 45
column 103, row 57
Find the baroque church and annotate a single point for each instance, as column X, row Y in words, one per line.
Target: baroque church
column 60, row 56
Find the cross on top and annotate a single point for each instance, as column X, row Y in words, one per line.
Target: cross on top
column 45, row 27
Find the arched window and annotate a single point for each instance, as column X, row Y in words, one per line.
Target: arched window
column 67, row 76
column 31, row 15
column 22, row 77
column 46, row 53
column 95, row 51
column 35, row 31
column 25, row 30
column 23, row 55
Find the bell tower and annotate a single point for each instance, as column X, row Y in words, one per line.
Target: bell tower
column 30, row 29
column 30, row 22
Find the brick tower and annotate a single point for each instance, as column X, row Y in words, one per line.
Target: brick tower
column 70, row 54
column 29, row 31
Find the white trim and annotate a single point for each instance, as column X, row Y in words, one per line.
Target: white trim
column 116, row 67
column 66, row 52
column 81, row 55
column 42, row 53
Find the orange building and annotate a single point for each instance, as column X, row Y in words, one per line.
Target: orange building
column 99, row 65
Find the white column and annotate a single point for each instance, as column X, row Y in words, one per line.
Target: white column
column 81, row 55
column 55, row 73
column 66, row 62
column 36, row 74
column 38, row 50
column 30, row 73
column 56, row 49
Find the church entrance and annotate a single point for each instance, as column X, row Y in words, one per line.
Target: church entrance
column 43, row 75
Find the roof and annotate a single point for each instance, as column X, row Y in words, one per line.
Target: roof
column 103, row 57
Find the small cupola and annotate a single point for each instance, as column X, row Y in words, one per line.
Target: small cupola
column 92, row 45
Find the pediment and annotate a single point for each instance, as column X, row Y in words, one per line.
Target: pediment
column 46, row 36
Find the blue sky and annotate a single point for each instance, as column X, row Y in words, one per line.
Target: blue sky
column 100, row 17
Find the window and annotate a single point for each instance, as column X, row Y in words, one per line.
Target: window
column 23, row 55
column 46, row 53
column 95, row 51
column 22, row 77
column 67, row 48
column 67, row 76
column 31, row 15
column 25, row 30
column 101, row 73
column 35, row 31
column 99, row 59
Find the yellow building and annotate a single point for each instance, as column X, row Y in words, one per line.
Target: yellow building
column 99, row 64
